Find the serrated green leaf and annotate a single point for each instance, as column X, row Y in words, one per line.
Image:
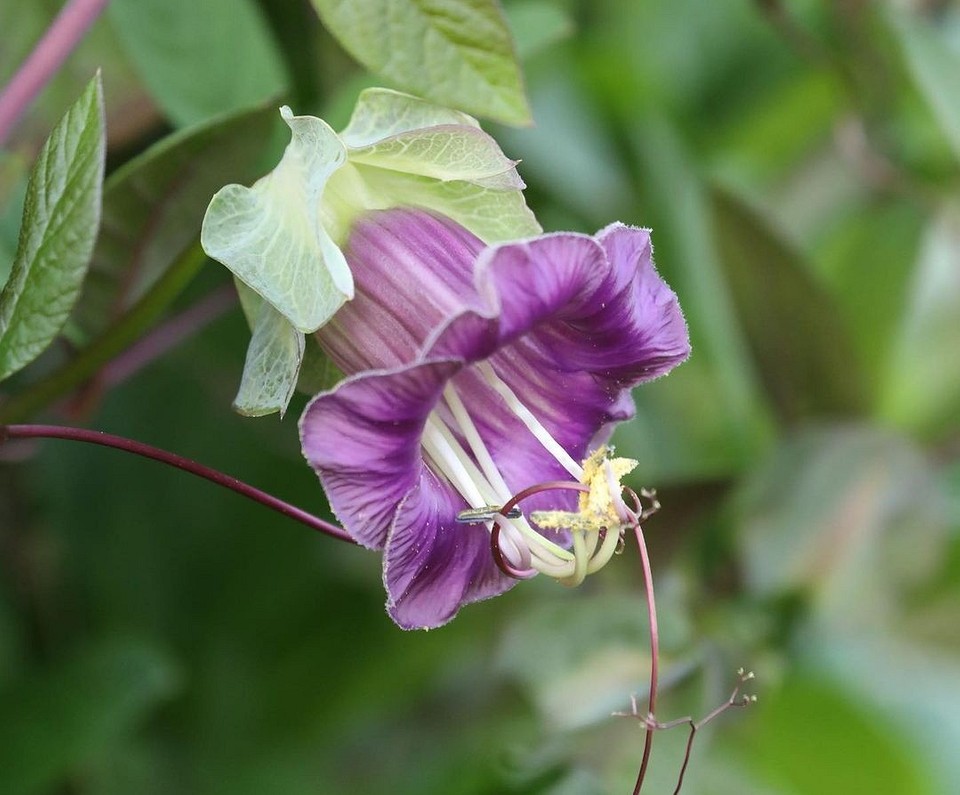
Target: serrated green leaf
column 935, row 66
column 455, row 52
column 153, row 205
column 55, row 722
column 272, row 235
column 61, row 216
column 169, row 39
column 273, row 358
column 800, row 345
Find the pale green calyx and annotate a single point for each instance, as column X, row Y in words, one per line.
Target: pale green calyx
column 282, row 237
column 271, row 235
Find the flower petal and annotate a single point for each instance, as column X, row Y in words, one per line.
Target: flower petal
column 432, row 565
column 412, row 270
column 363, row 441
column 572, row 325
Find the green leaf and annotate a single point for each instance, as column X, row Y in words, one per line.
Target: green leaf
column 923, row 374
column 911, row 688
column 273, row 358
column 537, row 24
column 808, row 719
column 57, row 721
column 61, row 216
column 709, row 418
column 153, row 205
column 868, row 257
column 455, row 52
column 169, row 40
column 852, row 517
column 934, row 65
column 272, row 236
column 800, row 345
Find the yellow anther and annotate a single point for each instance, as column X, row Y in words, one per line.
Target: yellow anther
column 598, row 506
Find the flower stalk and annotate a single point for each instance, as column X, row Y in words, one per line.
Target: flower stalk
column 178, row 462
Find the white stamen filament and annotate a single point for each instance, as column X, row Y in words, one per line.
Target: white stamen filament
column 478, row 480
column 544, row 550
column 452, row 460
column 527, row 418
column 581, row 559
column 477, row 447
column 454, row 466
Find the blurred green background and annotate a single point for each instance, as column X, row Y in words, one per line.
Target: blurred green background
column 799, row 163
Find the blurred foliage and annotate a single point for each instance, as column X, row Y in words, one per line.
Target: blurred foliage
column 798, row 163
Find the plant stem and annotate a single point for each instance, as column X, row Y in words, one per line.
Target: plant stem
column 45, row 59
column 156, row 343
column 174, row 460
column 116, row 338
column 654, row 653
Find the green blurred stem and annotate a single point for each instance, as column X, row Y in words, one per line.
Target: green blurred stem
column 178, row 462
column 125, row 331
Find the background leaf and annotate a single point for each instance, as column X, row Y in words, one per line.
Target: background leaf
column 453, row 52
column 922, row 382
column 61, row 216
column 934, row 62
column 169, row 39
column 153, row 206
column 536, row 24
column 801, row 349
column 55, row 722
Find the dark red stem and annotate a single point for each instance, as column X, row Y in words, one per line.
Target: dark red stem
column 654, row 653
column 171, row 459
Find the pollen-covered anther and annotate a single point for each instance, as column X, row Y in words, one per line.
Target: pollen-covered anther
column 597, row 526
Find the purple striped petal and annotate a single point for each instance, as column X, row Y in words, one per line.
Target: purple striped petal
column 363, row 441
column 432, row 565
column 411, row 271
column 569, row 322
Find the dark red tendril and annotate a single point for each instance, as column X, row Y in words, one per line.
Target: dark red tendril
column 498, row 557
